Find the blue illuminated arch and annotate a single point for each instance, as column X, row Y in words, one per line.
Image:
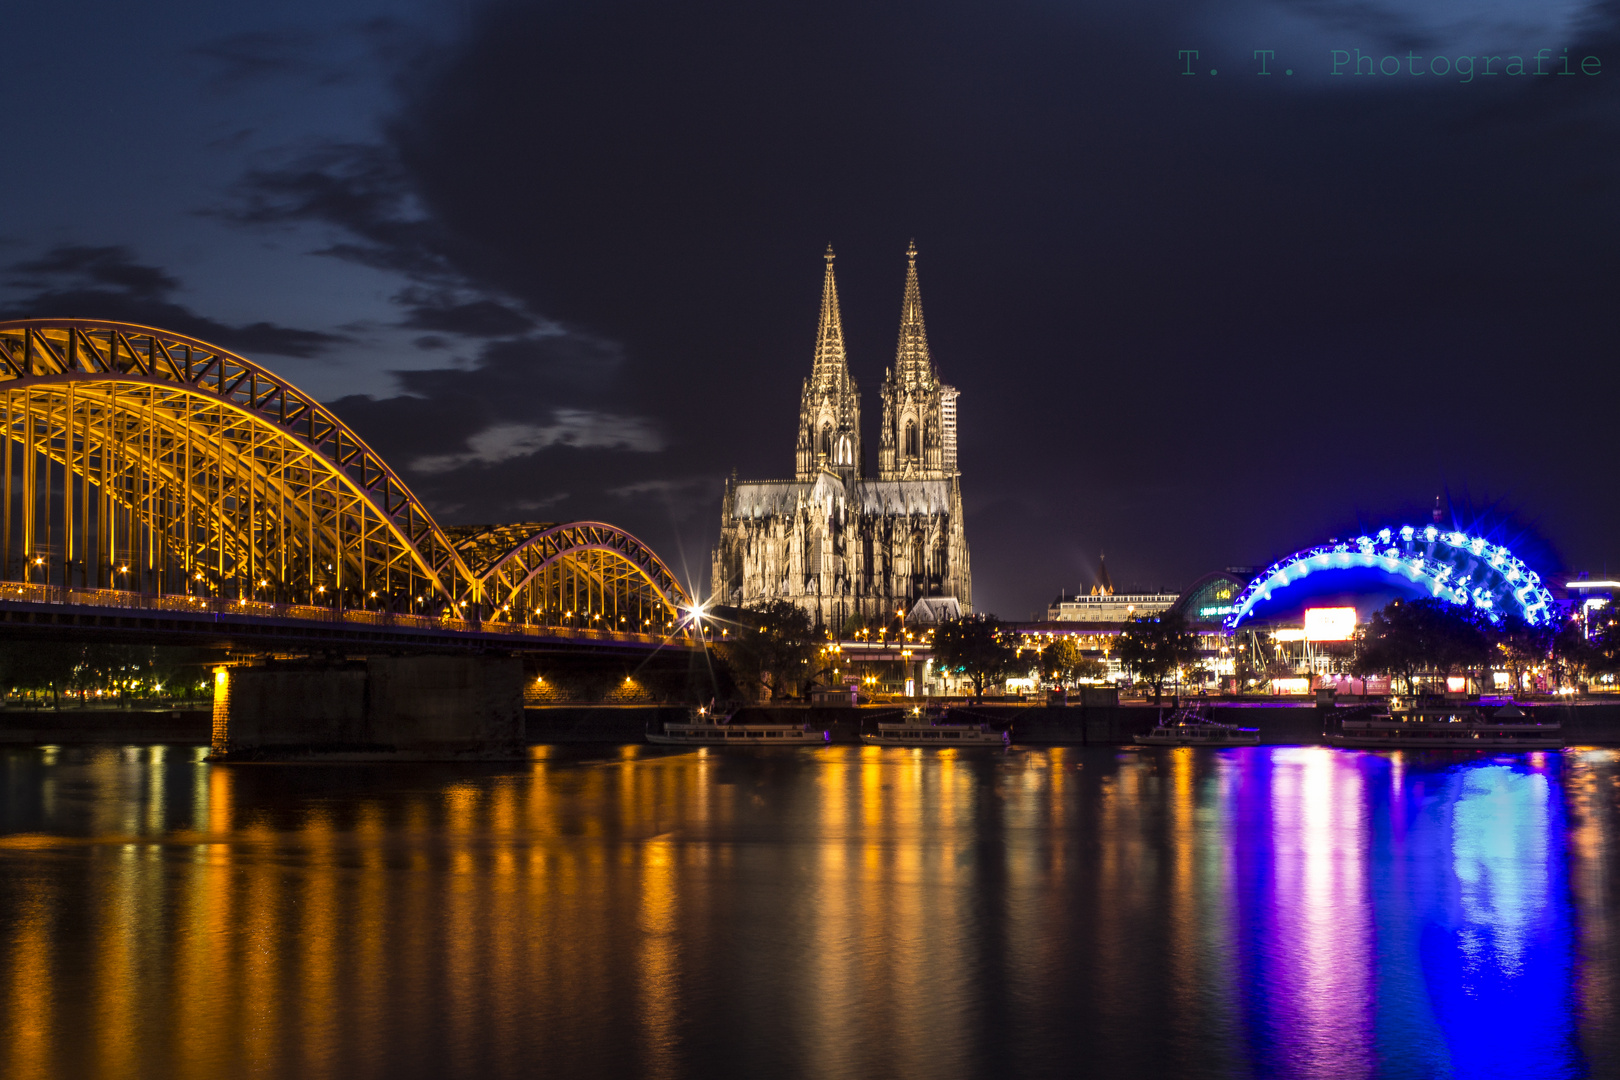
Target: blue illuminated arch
column 1446, row 564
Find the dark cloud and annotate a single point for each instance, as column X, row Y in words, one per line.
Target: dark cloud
column 361, row 190
column 113, row 267
column 485, row 436
column 477, row 318
column 1271, row 306
column 73, row 281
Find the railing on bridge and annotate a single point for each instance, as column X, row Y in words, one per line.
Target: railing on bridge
column 122, row 600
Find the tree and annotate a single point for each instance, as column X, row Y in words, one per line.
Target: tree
column 1521, row 646
column 1571, row 653
column 1154, row 646
column 981, row 647
column 1089, row 667
column 1604, row 641
column 42, row 666
column 1060, row 658
column 1408, row 637
column 775, row 645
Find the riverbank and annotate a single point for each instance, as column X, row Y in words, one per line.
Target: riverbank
column 1280, row 723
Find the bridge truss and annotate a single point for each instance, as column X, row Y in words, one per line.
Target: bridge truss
column 138, row 461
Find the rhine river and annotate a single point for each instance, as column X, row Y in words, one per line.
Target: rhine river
column 839, row 912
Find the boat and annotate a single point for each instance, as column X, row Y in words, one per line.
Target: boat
column 1438, row 726
column 931, row 728
column 1192, row 727
column 705, row 727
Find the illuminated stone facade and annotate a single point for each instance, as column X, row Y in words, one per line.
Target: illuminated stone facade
column 831, row 540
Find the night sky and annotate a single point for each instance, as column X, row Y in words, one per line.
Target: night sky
column 563, row 260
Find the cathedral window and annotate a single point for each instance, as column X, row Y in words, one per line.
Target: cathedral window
column 911, row 439
column 826, row 440
column 845, row 455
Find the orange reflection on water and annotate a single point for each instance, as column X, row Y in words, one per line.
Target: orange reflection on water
column 30, row 1001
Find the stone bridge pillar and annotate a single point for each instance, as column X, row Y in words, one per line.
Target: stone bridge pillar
column 381, row 708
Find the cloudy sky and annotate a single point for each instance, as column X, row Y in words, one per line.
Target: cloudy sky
column 562, row 260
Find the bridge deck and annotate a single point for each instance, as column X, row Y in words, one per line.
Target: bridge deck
column 33, row 610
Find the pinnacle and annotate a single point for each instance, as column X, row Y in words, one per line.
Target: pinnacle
column 912, row 362
column 830, row 362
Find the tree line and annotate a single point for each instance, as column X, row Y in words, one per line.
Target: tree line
column 53, row 670
column 1410, row 639
column 776, row 648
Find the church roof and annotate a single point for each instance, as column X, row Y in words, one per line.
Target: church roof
column 764, row 498
column 905, row 496
column 933, row 610
column 1105, row 584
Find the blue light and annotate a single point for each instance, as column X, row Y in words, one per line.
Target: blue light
column 1441, row 574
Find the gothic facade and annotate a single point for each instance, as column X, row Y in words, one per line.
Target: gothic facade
column 833, row 540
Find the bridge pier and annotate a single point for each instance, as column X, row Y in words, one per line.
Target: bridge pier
column 380, row 708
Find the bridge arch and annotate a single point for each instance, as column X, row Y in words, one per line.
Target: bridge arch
column 548, row 571
column 1444, row 563
column 144, row 460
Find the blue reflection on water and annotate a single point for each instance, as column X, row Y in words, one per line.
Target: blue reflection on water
column 1410, row 917
column 1496, row 938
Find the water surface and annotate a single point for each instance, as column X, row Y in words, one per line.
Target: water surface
column 840, row 912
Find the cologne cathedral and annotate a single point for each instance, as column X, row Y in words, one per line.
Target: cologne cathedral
column 833, row 540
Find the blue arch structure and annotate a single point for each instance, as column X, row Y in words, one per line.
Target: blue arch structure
column 1447, row 564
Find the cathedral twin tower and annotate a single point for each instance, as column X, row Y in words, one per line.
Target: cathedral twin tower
column 833, row 541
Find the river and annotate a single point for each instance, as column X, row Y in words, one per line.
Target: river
column 838, row 912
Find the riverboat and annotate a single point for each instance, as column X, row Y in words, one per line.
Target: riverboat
column 705, row 727
column 931, row 729
column 1448, row 727
column 1190, row 727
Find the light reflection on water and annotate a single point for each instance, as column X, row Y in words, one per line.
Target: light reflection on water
column 848, row 911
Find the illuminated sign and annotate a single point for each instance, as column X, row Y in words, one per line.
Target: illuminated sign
column 1291, row 686
column 1330, row 623
column 1223, row 609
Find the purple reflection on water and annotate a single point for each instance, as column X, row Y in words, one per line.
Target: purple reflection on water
column 1404, row 915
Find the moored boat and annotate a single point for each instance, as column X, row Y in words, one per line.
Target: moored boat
column 1454, row 727
column 1191, row 727
column 706, row 728
column 933, row 729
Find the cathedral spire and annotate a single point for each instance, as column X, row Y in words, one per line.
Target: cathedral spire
column 831, row 366
column 912, row 364
column 830, row 407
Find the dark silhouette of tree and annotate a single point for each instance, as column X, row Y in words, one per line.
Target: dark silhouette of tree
column 981, row 647
column 1521, row 646
column 1604, row 627
column 1407, row 638
column 45, row 667
column 1154, row 646
column 774, row 645
column 1572, row 655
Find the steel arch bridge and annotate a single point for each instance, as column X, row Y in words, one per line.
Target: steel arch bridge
column 1447, row 564
column 144, row 463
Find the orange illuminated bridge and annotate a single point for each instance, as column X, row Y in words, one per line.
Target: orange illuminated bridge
column 159, row 485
